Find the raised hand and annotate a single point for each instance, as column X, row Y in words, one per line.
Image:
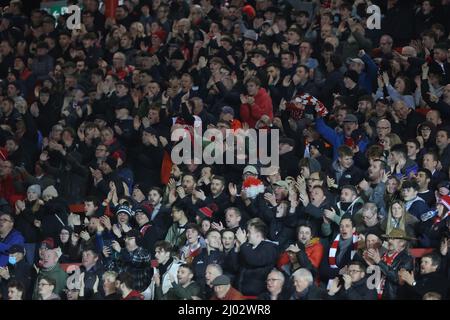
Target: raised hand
column 241, row 236
column 270, row 198
column 116, row 246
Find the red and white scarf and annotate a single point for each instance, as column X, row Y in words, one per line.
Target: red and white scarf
column 334, row 248
column 389, row 260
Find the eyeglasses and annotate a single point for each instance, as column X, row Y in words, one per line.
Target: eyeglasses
column 43, row 284
column 273, row 279
column 353, row 271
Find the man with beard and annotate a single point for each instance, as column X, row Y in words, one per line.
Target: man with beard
column 423, row 179
column 375, row 187
column 218, row 197
column 393, row 260
column 350, row 203
column 159, row 216
column 183, row 289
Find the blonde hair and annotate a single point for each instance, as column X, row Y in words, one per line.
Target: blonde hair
column 390, row 217
column 393, row 139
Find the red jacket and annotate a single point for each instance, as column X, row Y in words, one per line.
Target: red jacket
column 314, row 251
column 262, row 106
column 232, row 294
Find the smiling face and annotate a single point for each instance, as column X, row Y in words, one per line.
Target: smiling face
column 228, row 240
column 184, row 276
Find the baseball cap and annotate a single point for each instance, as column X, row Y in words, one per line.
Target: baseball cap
column 282, row 184
column 250, row 169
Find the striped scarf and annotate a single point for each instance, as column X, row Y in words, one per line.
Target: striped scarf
column 334, row 248
column 388, row 260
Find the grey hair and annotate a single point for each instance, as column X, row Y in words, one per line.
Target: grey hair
column 305, row 274
column 278, row 272
column 216, row 266
column 369, row 206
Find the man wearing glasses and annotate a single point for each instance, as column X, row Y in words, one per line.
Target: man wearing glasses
column 352, row 285
column 8, row 237
column 275, row 287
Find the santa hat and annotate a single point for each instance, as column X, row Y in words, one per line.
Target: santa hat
column 252, row 187
column 249, row 11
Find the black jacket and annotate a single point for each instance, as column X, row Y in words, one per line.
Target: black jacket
column 289, row 164
column 312, row 293
column 24, row 223
column 201, row 261
column 432, row 282
column 255, row 264
column 402, row 261
column 21, row 272
column 358, row 291
column 54, row 218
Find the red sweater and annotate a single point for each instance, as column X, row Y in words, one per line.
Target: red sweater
column 262, row 106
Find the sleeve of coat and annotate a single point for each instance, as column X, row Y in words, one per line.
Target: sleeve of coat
column 328, row 133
